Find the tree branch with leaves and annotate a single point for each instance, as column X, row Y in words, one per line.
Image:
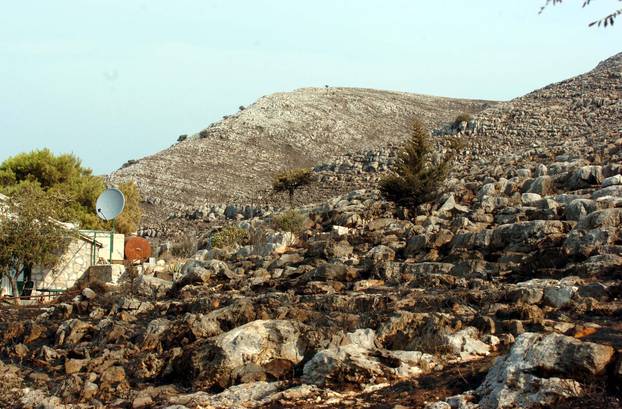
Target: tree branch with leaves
column 606, row 21
column 64, row 176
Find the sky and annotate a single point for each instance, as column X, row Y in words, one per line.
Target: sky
column 113, row 80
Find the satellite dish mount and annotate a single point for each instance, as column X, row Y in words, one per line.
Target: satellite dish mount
column 109, row 205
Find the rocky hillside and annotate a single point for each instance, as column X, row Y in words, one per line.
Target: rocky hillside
column 501, row 293
column 235, row 158
column 571, row 119
column 563, row 121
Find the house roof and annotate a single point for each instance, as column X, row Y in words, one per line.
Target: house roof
column 91, row 240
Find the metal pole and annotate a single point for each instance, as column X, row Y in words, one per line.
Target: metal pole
column 93, row 247
column 111, row 241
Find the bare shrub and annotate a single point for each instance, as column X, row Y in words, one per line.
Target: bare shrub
column 464, row 117
column 184, row 248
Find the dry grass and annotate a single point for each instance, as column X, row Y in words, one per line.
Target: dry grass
column 184, row 248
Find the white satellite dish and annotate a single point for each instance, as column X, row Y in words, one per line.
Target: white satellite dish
column 110, row 204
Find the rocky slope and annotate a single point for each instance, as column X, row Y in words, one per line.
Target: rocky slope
column 504, row 292
column 571, row 119
column 561, row 122
column 365, row 308
column 234, row 159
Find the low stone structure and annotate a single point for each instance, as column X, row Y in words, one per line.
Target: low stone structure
column 83, row 252
column 90, row 248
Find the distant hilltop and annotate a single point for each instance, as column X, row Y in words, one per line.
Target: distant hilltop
column 234, row 158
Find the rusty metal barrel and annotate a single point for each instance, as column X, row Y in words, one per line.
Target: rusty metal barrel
column 137, row 249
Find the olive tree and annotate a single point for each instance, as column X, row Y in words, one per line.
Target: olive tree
column 64, row 175
column 290, row 180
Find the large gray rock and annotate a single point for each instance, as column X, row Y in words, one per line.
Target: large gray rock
column 601, row 218
column 598, row 229
column 202, row 326
column 580, row 208
column 585, row 176
column 256, row 344
column 357, row 356
column 614, row 190
column 150, row 286
column 586, row 243
column 612, row 180
column 335, row 271
column 154, row 331
column 540, row 369
column 559, row 296
column 238, row 396
column 379, row 254
column 200, row 272
column 525, row 236
column 72, row 331
column 466, row 344
column 472, row 241
column 542, row 185
column 529, row 199
column 428, row 268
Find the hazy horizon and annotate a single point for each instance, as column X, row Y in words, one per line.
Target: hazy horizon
column 115, row 80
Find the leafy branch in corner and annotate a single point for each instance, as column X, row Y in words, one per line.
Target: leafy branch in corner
column 606, row 21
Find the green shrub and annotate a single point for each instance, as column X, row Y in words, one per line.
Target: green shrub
column 64, row 176
column 290, row 180
column 290, row 220
column 416, row 178
column 229, row 236
column 129, row 219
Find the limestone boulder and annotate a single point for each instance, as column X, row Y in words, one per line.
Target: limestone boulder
column 201, row 272
column 257, row 343
column 540, row 369
column 542, row 185
column 359, row 358
column 335, row 271
column 613, row 190
column 72, row 331
column 150, row 286
column 612, row 181
column 580, row 208
column 585, row 176
column 525, row 236
column 594, row 231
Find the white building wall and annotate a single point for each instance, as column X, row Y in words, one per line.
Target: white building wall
column 80, row 255
column 71, row 267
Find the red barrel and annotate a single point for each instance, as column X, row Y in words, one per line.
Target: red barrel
column 137, row 249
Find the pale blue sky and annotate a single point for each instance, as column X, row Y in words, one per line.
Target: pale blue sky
column 112, row 80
